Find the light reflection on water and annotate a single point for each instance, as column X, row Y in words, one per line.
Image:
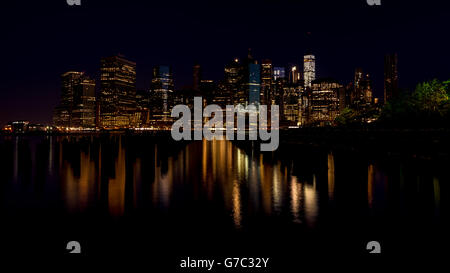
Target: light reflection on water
column 86, row 172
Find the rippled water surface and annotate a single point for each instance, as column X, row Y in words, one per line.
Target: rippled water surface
column 92, row 187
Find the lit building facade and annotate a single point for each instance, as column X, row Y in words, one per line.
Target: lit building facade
column 233, row 79
column 83, row 114
column 321, row 104
column 294, row 74
column 309, row 70
column 208, row 90
column 77, row 107
column 266, row 82
column 254, row 84
column 118, row 93
column 222, row 94
column 290, row 106
column 162, row 92
column 279, row 72
column 278, row 84
column 143, row 105
column 362, row 94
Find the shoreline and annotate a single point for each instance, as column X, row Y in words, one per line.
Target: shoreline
column 424, row 142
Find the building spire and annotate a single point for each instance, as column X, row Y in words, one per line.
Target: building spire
column 308, row 43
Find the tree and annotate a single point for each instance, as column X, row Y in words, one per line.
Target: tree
column 428, row 105
column 430, row 98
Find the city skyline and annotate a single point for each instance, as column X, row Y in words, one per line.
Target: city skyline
column 207, row 135
column 302, row 97
column 212, row 42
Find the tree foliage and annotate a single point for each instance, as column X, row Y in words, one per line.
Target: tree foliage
column 352, row 117
column 427, row 106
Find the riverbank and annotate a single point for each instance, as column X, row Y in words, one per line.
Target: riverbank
column 420, row 143
column 413, row 142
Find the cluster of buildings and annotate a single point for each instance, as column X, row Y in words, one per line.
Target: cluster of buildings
column 22, row 126
column 304, row 100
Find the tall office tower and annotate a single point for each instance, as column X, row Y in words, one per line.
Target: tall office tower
column 359, row 75
column 233, row 79
column 279, row 72
column 290, row 105
column 233, row 72
column 294, row 74
column 361, row 94
column 254, row 83
column 390, row 77
column 221, row 95
column 266, row 82
column 143, row 105
column 83, row 114
column 162, row 88
column 366, row 87
column 324, row 104
column 279, row 81
column 63, row 112
column 142, row 98
column 251, row 82
column 117, row 92
column 208, row 90
column 309, row 70
column 197, row 77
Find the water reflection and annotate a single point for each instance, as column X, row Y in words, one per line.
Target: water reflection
column 237, row 217
column 437, row 195
column 16, row 157
column 119, row 174
column 77, row 188
column 116, row 184
column 370, row 185
column 330, row 176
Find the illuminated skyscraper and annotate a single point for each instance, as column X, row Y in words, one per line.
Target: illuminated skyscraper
column 266, row 82
column 290, row 104
column 294, row 74
column 77, row 107
column 250, row 88
column 233, row 72
column 69, row 80
column 309, row 70
column 279, row 72
column 118, row 92
column 83, row 114
column 359, row 75
column 163, row 88
column 390, row 77
column 222, row 96
column 208, row 90
column 361, row 94
column 324, row 102
column 279, row 82
column 254, row 83
column 233, row 79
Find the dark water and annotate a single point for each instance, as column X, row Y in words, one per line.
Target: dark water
column 131, row 195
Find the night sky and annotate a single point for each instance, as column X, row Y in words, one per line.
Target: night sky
column 42, row 39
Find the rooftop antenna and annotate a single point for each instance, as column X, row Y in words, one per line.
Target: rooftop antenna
column 308, row 43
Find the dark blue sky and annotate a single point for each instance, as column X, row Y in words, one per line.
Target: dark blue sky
column 42, row 39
